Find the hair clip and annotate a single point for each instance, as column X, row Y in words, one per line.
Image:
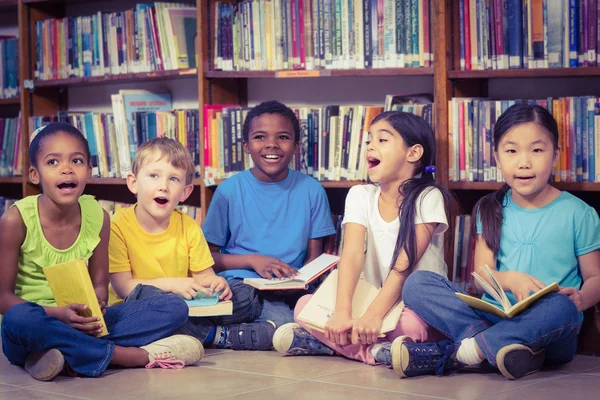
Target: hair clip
column 430, row 168
column 35, row 133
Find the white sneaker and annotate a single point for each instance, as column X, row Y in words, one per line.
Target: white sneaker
column 174, row 352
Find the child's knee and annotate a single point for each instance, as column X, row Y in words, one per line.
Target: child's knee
column 177, row 309
column 413, row 286
column 23, row 314
column 563, row 307
column 302, row 301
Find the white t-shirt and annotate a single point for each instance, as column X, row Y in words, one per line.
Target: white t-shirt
column 362, row 208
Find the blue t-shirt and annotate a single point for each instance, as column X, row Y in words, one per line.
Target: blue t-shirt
column 275, row 219
column 545, row 242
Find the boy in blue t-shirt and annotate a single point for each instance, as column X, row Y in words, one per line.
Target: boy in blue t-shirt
column 270, row 220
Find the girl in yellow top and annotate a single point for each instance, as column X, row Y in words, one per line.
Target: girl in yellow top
column 58, row 226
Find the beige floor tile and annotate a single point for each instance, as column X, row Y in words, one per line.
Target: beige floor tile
column 572, row 387
column 273, row 363
column 190, row 382
column 212, row 352
column 580, row 364
column 6, row 388
column 30, row 394
column 595, row 371
column 319, row 390
column 456, row 386
column 17, row 376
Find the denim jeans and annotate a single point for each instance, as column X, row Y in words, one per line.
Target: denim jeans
column 246, row 308
column 552, row 323
column 26, row 327
column 279, row 306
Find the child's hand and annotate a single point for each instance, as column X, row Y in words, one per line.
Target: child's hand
column 365, row 330
column 521, row 285
column 574, row 295
column 269, row 266
column 70, row 316
column 219, row 284
column 103, row 307
column 186, row 288
column 337, row 328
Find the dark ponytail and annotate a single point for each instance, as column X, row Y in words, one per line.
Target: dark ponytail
column 413, row 130
column 488, row 209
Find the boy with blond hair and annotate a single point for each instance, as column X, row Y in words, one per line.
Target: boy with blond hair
column 156, row 249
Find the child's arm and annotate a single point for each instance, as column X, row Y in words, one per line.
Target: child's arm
column 589, row 294
column 263, row 265
column 366, row 329
column 313, row 250
column 519, row 283
column 98, row 263
column 123, row 283
column 350, row 266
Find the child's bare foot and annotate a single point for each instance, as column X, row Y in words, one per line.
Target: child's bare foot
column 174, row 352
column 44, row 365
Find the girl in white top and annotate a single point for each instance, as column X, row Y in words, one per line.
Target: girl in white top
column 403, row 215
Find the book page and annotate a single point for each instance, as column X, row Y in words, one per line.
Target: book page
column 306, row 273
column 498, row 288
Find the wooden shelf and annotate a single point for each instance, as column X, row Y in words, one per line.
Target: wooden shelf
column 10, row 102
column 121, row 181
column 107, row 79
column 526, row 73
column 489, row 186
column 11, row 179
column 320, row 73
column 4, row 4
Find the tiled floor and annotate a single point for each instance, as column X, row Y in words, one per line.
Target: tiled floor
column 267, row 375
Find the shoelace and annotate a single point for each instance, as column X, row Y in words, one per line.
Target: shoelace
column 165, row 361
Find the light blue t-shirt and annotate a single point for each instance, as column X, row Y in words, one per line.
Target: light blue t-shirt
column 275, row 219
column 545, row 242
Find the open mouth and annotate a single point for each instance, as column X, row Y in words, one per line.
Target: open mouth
column 271, row 157
column 524, row 178
column 67, row 185
column 161, row 200
column 373, row 162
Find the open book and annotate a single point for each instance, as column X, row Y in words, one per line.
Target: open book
column 205, row 306
column 321, row 305
column 494, row 289
column 307, row 274
column 71, row 283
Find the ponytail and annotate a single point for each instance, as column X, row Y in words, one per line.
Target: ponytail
column 488, row 210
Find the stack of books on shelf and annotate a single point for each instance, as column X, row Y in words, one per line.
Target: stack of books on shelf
column 151, row 37
column 464, row 246
column 471, row 125
column 113, row 207
column 10, row 153
column 138, row 116
column 333, row 244
column 322, row 34
column 503, row 34
column 332, row 137
column 9, row 67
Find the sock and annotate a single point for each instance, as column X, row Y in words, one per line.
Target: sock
column 220, row 341
column 211, row 335
column 467, row 353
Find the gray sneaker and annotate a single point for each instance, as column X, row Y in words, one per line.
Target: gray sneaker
column 44, row 365
column 516, row 360
column 174, row 352
column 291, row 339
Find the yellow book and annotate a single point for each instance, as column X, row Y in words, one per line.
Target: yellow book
column 70, row 283
column 493, row 288
column 321, row 305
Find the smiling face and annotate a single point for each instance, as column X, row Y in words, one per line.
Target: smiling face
column 271, row 144
column 526, row 156
column 159, row 187
column 388, row 157
column 62, row 168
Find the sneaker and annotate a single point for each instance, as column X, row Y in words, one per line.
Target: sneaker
column 293, row 340
column 251, row 336
column 174, row 352
column 516, row 360
column 44, row 365
column 382, row 353
column 414, row 359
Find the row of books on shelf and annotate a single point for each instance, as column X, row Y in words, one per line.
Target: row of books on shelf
column 9, row 67
column 5, row 203
column 464, row 247
column 113, row 207
column 322, row 34
column 150, row 37
column 471, row 124
column 10, row 153
column 138, row 116
column 332, row 137
column 503, row 34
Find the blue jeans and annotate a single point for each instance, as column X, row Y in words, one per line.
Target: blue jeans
column 552, row 323
column 26, row 327
column 245, row 309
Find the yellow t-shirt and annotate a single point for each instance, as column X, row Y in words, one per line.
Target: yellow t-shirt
column 176, row 252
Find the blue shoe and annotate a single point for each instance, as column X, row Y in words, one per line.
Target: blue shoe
column 251, row 336
column 414, row 359
column 293, row 340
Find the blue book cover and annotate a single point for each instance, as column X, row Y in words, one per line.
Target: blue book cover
column 515, row 33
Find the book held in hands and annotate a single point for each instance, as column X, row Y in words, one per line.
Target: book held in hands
column 307, row 274
column 493, row 288
column 206, row 306
column 321, row 305
column 71, row 283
